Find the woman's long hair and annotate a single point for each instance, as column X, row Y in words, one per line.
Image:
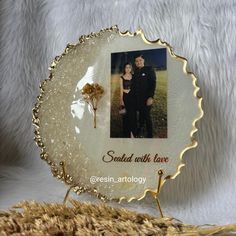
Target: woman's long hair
column 127, row 63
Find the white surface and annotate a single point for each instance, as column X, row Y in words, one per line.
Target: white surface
column 32, row 33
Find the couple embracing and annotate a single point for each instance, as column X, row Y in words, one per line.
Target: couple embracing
column 137, row 89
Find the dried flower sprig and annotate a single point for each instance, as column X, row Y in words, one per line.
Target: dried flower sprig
column 92, row 93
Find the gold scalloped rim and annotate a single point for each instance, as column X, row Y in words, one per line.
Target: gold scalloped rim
column 36, row 121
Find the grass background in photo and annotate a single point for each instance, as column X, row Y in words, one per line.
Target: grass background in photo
column 158, row 112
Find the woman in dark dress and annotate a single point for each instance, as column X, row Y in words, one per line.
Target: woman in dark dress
column 127, row 102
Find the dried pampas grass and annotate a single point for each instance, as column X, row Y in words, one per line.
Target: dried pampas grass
column 32, row 218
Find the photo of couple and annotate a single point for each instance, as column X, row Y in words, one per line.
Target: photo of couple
column 139, row 94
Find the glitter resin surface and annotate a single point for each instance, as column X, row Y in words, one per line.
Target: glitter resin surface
column 64, row 120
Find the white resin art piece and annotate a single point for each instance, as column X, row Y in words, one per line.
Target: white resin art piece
column 101, row 159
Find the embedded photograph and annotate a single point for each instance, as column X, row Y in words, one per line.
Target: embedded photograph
column 139, row 94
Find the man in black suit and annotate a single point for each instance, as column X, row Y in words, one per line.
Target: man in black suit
column 144, row 86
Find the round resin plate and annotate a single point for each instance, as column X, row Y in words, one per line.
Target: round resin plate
column 121, row 156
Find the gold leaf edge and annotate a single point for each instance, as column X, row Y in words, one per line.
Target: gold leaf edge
column 36, row 122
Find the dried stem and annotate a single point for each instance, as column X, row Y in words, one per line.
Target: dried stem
column 95, row 118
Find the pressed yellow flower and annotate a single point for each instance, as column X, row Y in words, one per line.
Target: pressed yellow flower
column 92, row 93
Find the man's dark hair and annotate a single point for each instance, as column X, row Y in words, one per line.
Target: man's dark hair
column 139, row 54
